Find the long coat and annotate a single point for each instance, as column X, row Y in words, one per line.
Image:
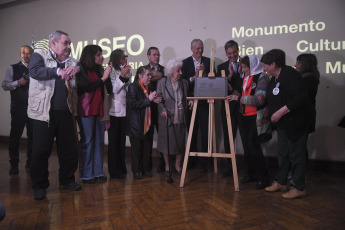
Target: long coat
column 165, row 89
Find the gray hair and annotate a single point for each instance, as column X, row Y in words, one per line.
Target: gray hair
column 196, row 40
column 171, row 66
column 56, row 36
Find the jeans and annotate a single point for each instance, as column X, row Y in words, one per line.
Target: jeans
column 92, row 146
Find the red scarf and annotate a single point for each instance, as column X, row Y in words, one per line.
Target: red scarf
column 91, row 104
column 147, row 121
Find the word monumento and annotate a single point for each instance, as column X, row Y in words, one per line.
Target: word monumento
column 279, row 29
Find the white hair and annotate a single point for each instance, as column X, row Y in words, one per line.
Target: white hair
column 172, row 65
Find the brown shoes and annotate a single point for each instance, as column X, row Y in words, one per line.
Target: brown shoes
column 276, row 187
column 294, row 193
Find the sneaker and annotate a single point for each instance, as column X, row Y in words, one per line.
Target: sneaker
column 14, row 170
column 294, row 193
column 71, row 186
column 40, row 194
column 276, row 187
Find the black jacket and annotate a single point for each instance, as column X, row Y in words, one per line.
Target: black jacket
column 292, row 93
column 136, row 107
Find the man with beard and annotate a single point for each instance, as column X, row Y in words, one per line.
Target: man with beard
column 51, row 71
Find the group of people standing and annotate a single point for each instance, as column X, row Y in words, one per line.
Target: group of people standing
column 263, row 95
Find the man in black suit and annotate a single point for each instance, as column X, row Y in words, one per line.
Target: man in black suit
column 232, row 72
column 190, row 70
column 153, row 56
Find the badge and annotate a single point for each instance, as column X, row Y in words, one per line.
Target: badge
column 276, row 89
column 253, row 85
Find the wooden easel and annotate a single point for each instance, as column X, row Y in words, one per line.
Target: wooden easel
column 211, row 133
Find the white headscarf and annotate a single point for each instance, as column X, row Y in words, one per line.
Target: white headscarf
column 256, row 66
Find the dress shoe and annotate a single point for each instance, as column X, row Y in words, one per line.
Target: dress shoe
column 294, row 193
column 101, row 179
column 202, row 169
column 90, row 181
column 167, row 173
column 14, row 170
column 118, row 176
column 71, row 186
column 261, row 184
column 276, row 187
column 148, row 174
column 247, row 179
column 137, row 176
column 28, row 165
column 40, row 194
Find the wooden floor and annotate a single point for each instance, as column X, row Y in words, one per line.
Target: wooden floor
column 208, row 201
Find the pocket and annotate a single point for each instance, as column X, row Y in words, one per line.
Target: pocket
column 36, row 104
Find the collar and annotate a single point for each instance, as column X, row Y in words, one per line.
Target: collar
column 54, row 55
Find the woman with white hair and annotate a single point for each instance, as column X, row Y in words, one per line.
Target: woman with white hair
column 172, row 110
column 252, row 122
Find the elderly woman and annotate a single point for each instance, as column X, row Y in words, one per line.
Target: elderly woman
column 251, row 120
column 140, row 99
column 290, row 108
column 120, row 76
column 172, row 110
column 90, row 111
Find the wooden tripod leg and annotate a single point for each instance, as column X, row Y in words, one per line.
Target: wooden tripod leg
column 189, row 139
column 232, row 149
column 214, row 141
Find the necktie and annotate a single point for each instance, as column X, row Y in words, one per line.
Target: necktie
column 234, row 65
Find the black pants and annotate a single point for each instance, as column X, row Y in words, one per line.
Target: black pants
column 19, row 119
column 61, row 127
column 291, row 156
column 116, row 146
column 141, row 151
column 253, row 157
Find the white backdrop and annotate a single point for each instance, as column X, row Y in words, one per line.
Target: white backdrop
column 295, row 26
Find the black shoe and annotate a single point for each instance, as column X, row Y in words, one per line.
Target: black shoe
column 148, row 174
column 14, row 170
column 179, row 171
column 120, row 176
column 167, row 173
column 28, row 165
column 40, row 194
column 101, row 178
column 71, row 186
column 203, row 170
column 227, row 173
column 247, row 179
column 137, row 176
column 261, row 184
column 90, row 181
